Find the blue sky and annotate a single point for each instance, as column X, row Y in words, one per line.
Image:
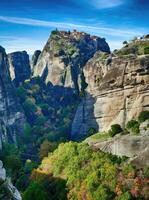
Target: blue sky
column 26, row 24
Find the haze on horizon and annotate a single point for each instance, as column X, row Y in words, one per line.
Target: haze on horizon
column 26, row 24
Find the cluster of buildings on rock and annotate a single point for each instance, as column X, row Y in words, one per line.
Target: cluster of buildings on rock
column 144, row 38
column 76, row 34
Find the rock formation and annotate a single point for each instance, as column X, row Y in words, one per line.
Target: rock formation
column 20, row 69
column 8, row 191
column 119, row 90
column 35, row 59
column 11, row 116
column 65, row 54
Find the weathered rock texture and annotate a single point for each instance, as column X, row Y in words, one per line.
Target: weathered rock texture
column 123, row 145
column 35, row 59
column 133, row 146
column 11, row 115
column 20, row 69
column 118, row 90
column 8, row 191
column 64, row 55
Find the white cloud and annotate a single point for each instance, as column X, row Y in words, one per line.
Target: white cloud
column 107, row 3
column 65, row 25
column 114, row 36
column 100, row 4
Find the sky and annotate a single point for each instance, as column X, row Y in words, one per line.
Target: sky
column 26, row 24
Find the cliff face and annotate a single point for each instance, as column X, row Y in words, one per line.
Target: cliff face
column 35, row 59
column 119, row 88
column 20, row 69
column 11, row 115
column 64, row 55
column 133, row 146
column 8, row 191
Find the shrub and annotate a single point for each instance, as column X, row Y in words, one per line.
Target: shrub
column 147, row 171
column 91, row 131
column 125, row 196
column 40, row 120
column 27, row 132
column 146, row 50
column 133, row 125
column 115, row 129
column 46, row 147
column 44, row 108
column 21, row 93
column 29, row 106
column 35, row 191
column 144, row 115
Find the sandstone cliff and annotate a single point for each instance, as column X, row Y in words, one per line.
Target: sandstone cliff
column 65, row 54
column 35, row 59
column 118, row 90
column 11, row 115
column 133, row 146
column 20, row 69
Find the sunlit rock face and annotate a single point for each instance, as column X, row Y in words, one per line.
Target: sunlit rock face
column 135, row 147
column 64, row 56
column 11, row 115
column 119, row 88
column 19, row 66
column 8, row 191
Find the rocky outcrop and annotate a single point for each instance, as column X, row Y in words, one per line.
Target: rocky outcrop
column 19, row 66
column 119, row 88
column 134, row 147
column 35, row 59
column 11, row 115
column 8, row 191
column 64, row 56
column 123, row 145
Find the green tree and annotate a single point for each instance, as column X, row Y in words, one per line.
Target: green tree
column 146, row 50
column 35, row 191
column 143, row 116
column 21, row 93
column 125, row 196
column 133, row 126
column 115, row 129
column 103, row 193
column 45, row 148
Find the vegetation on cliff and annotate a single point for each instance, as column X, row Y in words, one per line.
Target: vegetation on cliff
column 137, row 46
column 85, row 173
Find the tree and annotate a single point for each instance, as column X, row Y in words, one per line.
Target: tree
column 35, row 191
column 125, row 42
column 83, row 82
column 91, row 131
column 115, row 129
column 143, row 116
column 21, row 93
column 146, row 50
column 125, row 196
column 27, row 132
column 103, row 193
column 133, row 125
column 45, row 148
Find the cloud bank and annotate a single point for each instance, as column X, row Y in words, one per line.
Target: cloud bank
column 65, row 25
